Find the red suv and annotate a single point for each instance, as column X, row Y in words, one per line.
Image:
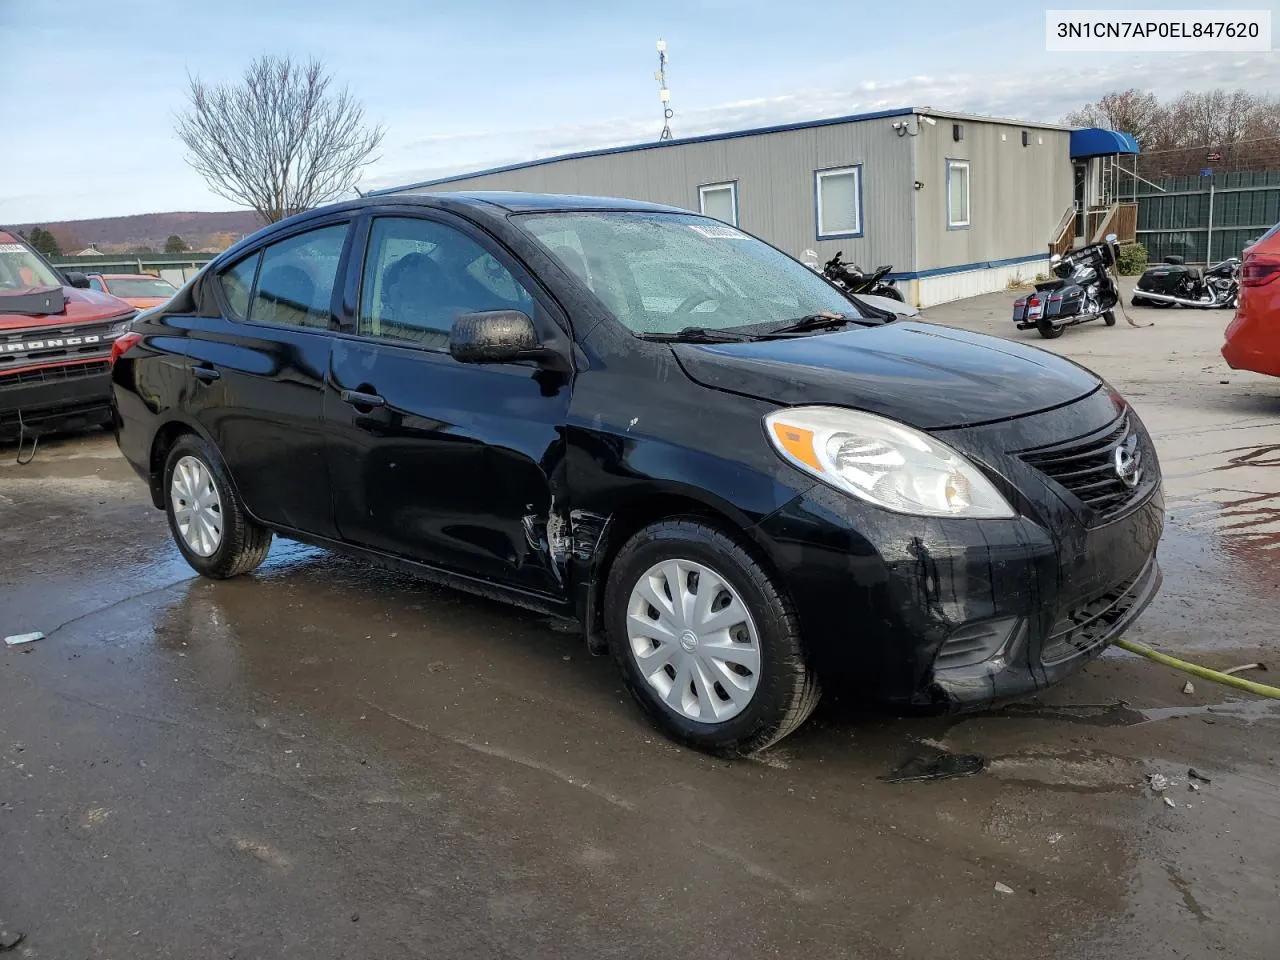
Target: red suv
column 1253, row 337
column 55, row 345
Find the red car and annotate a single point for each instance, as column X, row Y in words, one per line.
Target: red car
column 55, row 345
column 141, row 290
column 1253, row 338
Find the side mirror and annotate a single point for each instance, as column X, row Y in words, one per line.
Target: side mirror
column 1111, row 238
column 77, row 279
column 494, row 336
column 1055, row 259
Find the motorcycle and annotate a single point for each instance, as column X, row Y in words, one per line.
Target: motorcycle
column 851, row 278
column 1084, row 288
column 1172, row 283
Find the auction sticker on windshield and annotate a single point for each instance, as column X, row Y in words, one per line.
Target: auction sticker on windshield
column 718, row 232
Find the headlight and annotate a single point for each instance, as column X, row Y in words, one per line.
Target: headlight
column 884, row 462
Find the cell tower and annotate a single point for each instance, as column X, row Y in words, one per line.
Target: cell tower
column 664, row 95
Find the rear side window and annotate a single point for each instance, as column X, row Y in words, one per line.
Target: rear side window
column 296, row 278
column 95, row 284
column 237, row 284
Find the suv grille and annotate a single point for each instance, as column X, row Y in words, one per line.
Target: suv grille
column 70, row 371
column 1086, row 626
column 1089, row 467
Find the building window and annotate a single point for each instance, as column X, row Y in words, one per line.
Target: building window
column 957, row 194
column 719, row 200
column 838, row 197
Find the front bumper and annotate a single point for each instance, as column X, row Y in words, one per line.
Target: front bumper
column 64, row 397
column 965, row 613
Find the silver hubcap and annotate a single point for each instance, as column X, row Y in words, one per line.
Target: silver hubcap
column 197, row 508
column 693, row 640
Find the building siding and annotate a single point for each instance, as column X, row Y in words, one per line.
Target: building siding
column 1017, row 194
column 775, row 181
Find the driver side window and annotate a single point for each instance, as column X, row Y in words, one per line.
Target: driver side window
column 419, row 275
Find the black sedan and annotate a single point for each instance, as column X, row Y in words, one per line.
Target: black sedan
column 742, row 483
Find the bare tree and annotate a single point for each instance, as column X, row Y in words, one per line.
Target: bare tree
column 1135, row 112
column 280, row 140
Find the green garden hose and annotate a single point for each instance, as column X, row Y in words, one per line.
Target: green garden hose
column 1261, row 689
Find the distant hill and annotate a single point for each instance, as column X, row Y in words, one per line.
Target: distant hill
column 202, row 231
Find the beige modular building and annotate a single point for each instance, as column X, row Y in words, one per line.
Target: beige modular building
column 959, row 205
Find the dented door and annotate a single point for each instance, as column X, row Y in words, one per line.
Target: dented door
column 452, row 464
column 455, row 468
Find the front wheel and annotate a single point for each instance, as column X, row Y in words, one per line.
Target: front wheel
column 1048, row 330
column 206, row 516
column 1109, row 318
column 706, row 640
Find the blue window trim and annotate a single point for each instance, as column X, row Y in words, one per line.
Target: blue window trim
column 817, row 201
column 733, row 184
column 968, row 199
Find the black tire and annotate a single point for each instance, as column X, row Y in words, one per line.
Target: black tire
column 1048, row 330
column 893, row 293
column 1109, row 318
column 787, row 688
column 243, row 544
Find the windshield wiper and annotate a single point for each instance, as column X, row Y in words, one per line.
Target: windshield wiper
column 812, row 321
column 697, row 335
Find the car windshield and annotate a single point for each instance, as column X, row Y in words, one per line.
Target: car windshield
column 140, row 287
column 20, row 269
column 661, row 273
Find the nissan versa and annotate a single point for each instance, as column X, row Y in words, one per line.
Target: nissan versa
column 742, row 483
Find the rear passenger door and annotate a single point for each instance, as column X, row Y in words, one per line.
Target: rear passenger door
column 260, row 372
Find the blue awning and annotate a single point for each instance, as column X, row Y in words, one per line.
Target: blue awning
column 1097, row 142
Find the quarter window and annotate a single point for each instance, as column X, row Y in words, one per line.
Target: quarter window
column 719, row 200
column 419, row 275
column 237, row 284
column 95, row 284
column 957, row 193
column 295, row 281
column 839, row 201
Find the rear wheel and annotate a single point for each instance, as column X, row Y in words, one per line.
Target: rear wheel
column 706, row 640
column 893, row 293
column 206, row 517
column 1048, row 330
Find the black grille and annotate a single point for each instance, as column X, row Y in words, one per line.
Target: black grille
column 70, row 371
column 1090, row 624
column 1087, row 467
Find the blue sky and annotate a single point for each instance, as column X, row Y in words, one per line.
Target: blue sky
column 95, row 84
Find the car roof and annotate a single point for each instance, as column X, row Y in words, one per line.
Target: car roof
column 483, row 202
column 518, row 202
column 127, row 276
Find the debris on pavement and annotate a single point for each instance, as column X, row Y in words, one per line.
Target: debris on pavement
column 1158, row 782
column 1003, row 888
column 1192, row 785
column 938, row 766
column 21, row 638
column 10, row 941
column 1188, row 687
column 1194, row 775
column 1168, row 802
column 1243, row 667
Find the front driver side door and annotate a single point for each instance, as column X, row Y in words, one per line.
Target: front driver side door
column 456, row 465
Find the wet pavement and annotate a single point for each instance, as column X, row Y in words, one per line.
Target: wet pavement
column 323, row 759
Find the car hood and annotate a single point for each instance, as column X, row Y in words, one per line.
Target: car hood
column 81, row 306
column 927, row 376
